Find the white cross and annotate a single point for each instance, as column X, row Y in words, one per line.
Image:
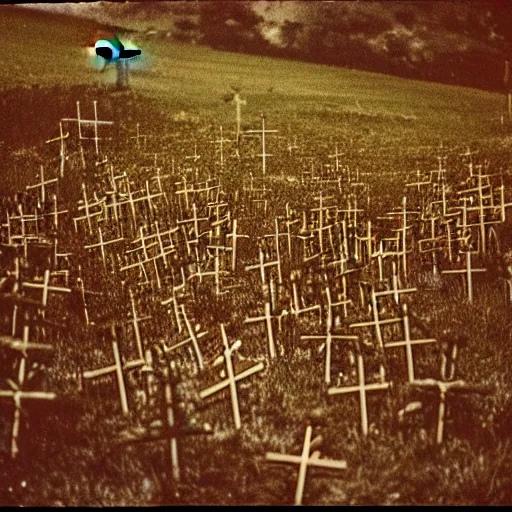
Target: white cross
column 263, row 133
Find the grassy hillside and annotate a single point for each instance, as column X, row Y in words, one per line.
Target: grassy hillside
column 384, row 124
column 44, row 49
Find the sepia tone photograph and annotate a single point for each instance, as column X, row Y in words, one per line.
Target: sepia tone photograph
column 255, row 253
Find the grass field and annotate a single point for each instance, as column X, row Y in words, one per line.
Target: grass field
column 46, row 50
column 386, row 124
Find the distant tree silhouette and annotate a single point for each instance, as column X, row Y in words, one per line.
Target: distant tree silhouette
column 231, row 26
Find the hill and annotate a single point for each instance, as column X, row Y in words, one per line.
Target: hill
column 47, row 50
column 79, row 450
column 450, row 42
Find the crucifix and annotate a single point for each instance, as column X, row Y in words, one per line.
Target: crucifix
column 304, row 461
column 62, row 152
column 263, row 133
column 232, row 378
column 362, row 388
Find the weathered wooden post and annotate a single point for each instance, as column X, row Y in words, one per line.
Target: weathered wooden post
column 508, row 87
column 122, row 70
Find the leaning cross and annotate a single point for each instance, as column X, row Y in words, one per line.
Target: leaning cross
column 305, row 460
column 232, row 378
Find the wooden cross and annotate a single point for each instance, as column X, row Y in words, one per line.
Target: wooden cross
column 102, row 244
column 118, row 368
column 419, row 183
column 46, row 288
column 292, row 145
column 135, row 320
column 18, row 394
column 267, row 318
column 408, row 344
column 362, row 388
column 21, row 345
column 171, row 431
column 395, row 291
column 322, row 211
column 468, row 271
column 295, row 306
column 234, row 244
column 329, row 337
column 62, row 152
column 193, row 338
column 195, row 220
column 262, row 265
column 195, row 157
column 232, row 378
column 481, row 209
column 55, row 213
column 42, row 185
column 276, row 236
column 352, row 210
column 443, row 388
column 216, row 272
column 263, row 133
column 331, row 305
column 337, row 155
column 138, row 137
column 377, row 322
column 469, row 154
column 87, row 207
column 221, row 141
column 304, row 460
column 95, row 122
column 238, row 104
